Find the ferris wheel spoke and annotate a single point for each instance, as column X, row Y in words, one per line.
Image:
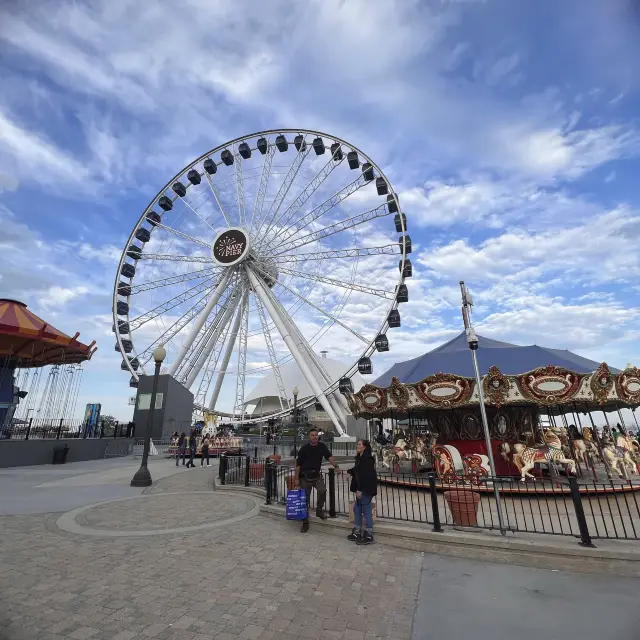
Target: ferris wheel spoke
column 335, row 254
column 242, row 358
column 284, row 190
column 332, row 229
column 318, row 309
column 290, row 212
column 198, row 215
column 213, row 300
column 256, row 214
column 171, row 332
column 227, row 355
column 292, row 340
column 272, row 354
column 165, row 282
column 172, row 303
column 217, row 198
column 321, row 209
column 210, row 339
column 388, row 295
column 183, row 235
column 171, row 257
column 242, row 216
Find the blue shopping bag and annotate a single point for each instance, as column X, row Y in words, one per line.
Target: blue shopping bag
column 296, row 504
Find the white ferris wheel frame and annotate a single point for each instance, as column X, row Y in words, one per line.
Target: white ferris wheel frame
column 246, row 278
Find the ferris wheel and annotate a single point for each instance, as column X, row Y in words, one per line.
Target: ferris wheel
column 256, row 252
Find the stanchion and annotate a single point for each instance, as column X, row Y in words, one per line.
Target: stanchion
column 437, row 527
column 585, row 536
column 223, row 469
column 247, row 470
column 332, row 492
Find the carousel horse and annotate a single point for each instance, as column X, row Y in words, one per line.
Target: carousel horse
column 621, row 455
column 526, row 457
column 393, row 454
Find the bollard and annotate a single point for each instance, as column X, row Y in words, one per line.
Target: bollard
column 26, row 435
column 437, row 527
column 268, row 472
column 59, row 430
column 274, row 450
column 585, row 536
column 255, row 454
column 332, row 492
column 246, row 471
column 223, row 469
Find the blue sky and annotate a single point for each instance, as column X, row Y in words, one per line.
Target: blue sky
column 509, row 129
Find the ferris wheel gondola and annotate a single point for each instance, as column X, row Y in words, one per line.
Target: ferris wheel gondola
column 262, row 246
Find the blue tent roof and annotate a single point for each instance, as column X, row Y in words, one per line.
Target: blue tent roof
column 454, row 357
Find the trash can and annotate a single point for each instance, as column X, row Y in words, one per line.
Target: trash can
column 60, row 454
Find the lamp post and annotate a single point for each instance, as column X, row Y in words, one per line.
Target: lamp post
column 142, row 478
column 295, row 422
column 472, row 339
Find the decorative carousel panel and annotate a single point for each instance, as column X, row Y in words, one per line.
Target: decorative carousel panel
column 602, row 382
column 476, row 468
column 549, row 385
column 628, row 385
column 444, row 390
column 374, row 399
column 471, row 426
column 496, row 387
column 448, row 463
column 399, row 394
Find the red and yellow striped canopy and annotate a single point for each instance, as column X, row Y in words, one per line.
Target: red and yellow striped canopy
column 28, row 341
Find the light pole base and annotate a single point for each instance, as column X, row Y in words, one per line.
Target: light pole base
column 142, row 478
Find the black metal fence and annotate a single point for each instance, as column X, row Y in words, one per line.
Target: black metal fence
column 584, row 511
column 47, row 429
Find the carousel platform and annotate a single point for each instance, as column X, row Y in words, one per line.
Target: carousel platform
column 545, row 484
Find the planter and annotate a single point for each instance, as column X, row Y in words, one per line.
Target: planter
column 464, row 506
column 291, row 482
column 256, row 471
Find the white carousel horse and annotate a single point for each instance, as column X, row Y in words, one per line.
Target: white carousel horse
column 392, row 454
column 620, row 456
column 525, row 458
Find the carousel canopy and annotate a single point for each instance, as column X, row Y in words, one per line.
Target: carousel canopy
column 511, row 359
column 28, row 341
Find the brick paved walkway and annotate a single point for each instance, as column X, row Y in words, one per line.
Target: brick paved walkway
column 257, row 578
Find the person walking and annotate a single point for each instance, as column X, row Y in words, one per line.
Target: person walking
column 192, row 448
column 204, row 451
column 309, row 475
column 364, row 483
column 182, row 448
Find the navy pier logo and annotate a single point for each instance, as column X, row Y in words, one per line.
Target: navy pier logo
column 230, row 246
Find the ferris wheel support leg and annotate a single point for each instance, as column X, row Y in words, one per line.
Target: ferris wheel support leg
column 225, row 361
column 283, row 327
column 333, row 398
column 193, row 334
column 212, row 343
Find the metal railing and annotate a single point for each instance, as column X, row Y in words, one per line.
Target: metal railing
column 585, row 511
column 47, row 429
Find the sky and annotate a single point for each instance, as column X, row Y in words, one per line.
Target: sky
column 509, row 130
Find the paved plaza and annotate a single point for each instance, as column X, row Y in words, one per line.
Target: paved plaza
column 83, row 555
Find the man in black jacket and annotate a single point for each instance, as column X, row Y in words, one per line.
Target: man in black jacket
column 309, row 475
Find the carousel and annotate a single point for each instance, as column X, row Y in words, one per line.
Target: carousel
column 28, row 344
column 541, row 404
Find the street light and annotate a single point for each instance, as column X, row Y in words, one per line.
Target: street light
column 295, row 422
column 472, row 340
column 142, row 478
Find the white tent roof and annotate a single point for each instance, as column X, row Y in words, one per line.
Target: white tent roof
column 267, row 387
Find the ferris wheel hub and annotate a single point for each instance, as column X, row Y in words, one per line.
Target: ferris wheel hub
column 231, row 246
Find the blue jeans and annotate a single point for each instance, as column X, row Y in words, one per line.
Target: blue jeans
column 181, row 452
column 363, row 508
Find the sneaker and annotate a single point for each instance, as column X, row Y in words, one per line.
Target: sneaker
column 305, row 527
column 354, row 536
column 366, row 538
column 321, row 514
